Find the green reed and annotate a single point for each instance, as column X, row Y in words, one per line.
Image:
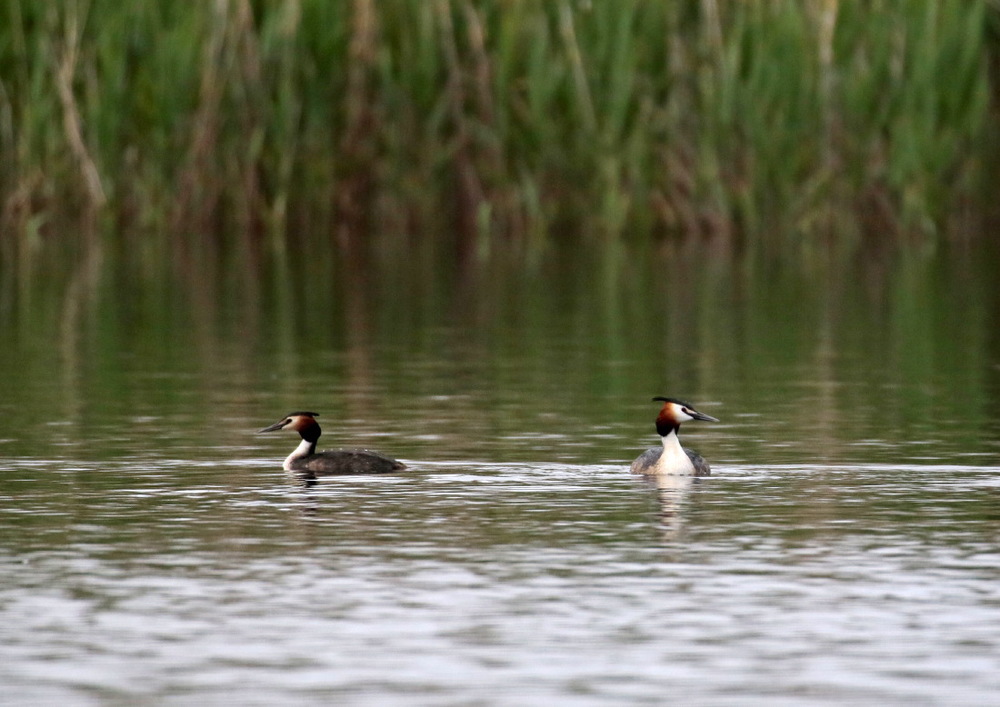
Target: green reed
column 495, row 125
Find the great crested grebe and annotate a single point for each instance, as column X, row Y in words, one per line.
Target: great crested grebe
column 305, row 458
column 672, row 458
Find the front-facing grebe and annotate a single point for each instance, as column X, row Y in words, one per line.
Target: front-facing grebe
column 306, row 459
column 672, row 458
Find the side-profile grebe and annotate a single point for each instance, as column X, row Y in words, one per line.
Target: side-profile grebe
column 672, row 458
column 306, row 459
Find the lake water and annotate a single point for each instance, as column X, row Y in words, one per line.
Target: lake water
column 845, row 550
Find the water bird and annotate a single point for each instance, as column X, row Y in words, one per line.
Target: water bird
column 672, row 458
column 306, row 459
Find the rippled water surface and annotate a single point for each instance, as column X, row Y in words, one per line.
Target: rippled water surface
column 845, row 550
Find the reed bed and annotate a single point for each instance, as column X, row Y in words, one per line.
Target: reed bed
column 481, row 126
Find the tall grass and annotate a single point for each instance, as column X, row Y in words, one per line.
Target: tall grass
column 495, row 125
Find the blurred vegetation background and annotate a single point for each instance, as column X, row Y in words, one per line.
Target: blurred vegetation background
column 470, row 127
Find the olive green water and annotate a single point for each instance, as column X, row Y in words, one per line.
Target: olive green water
column 845, row 549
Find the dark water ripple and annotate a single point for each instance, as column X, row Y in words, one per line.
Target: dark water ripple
column 469, row 582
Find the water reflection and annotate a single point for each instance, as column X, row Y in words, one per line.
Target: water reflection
column 855, row 468
column 672, row 491
column 407, row 350
column 465, row 577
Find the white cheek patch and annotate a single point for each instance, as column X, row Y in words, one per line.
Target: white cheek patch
column 680, row 415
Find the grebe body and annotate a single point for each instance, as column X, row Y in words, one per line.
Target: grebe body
column 671, row 457
column 306, row 459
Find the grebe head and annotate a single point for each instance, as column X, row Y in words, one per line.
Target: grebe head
column 302, row 422
column 674, row 412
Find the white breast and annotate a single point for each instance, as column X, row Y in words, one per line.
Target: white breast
column 304, row 449
column 674, row 459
